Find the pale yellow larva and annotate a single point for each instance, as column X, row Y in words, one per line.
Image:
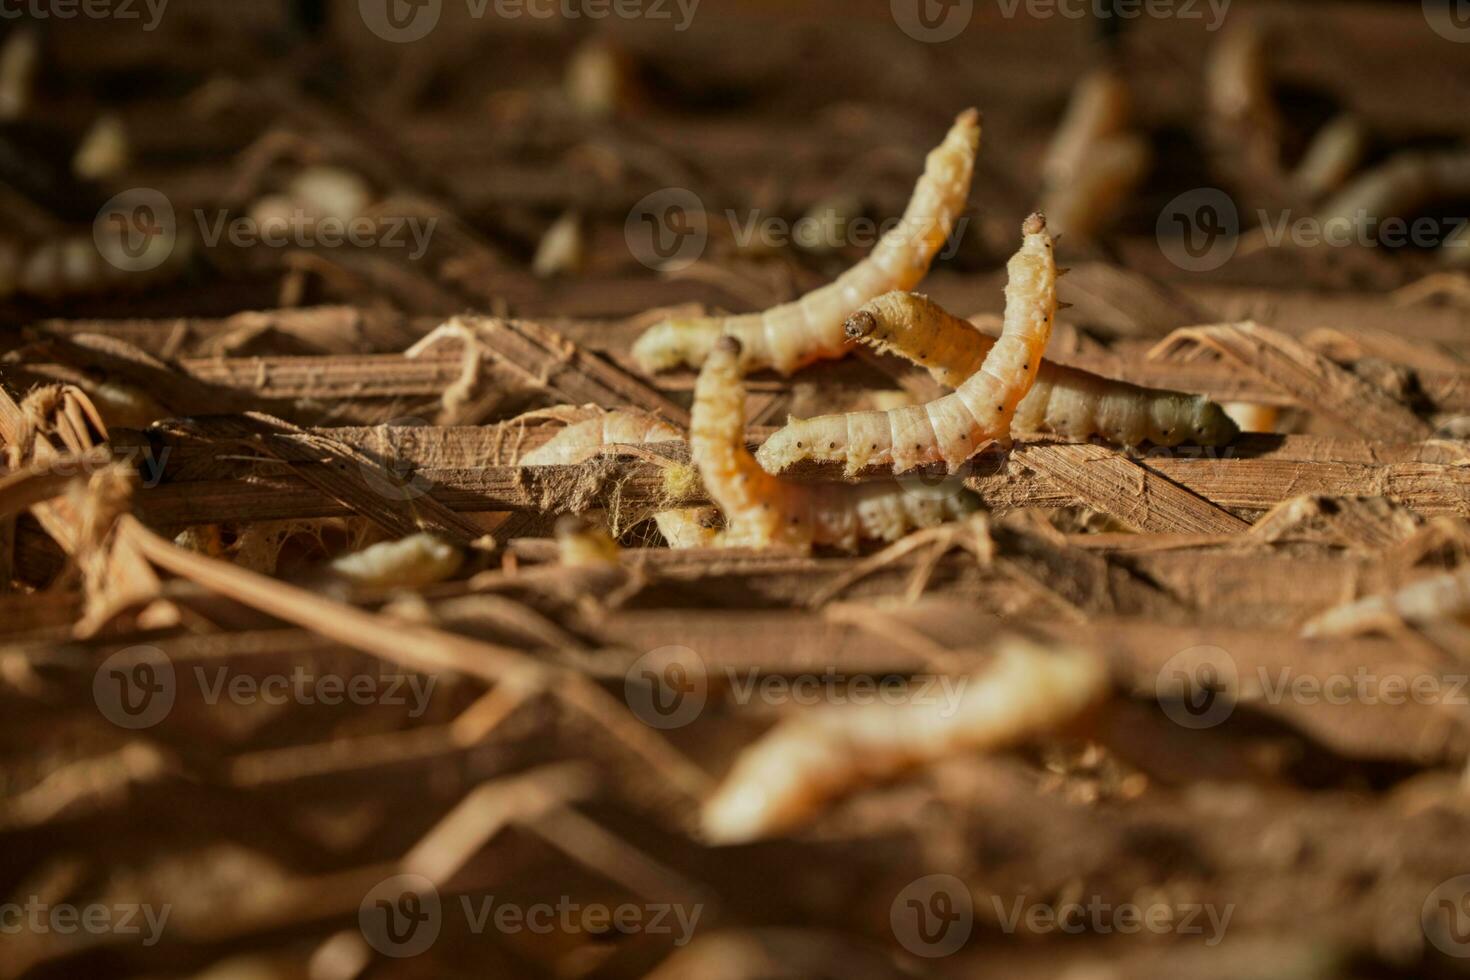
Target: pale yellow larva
column 793, row 334
column 1093, row 162
column 684, row 527
column 784, row 779
column 1397, row 188
column 762, row 510
column 953, row 428
column 408, row 563
column 1064, row 401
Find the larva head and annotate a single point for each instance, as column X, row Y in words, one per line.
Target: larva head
column 674, row 343
column 1035, row 224
column 1212, row 427
column 860, row 325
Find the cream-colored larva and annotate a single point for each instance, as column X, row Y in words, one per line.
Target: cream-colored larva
column 810, row 329
column 953, row 428
column 582, row 544
column 1083, row 206
column 684, row 527
column 784, row 779
column 1239, row 97
column 1444, row 596
column 1100, row 107
column 408, row 563
column 1065, row 401
column 762, row 510
column 20, row 56
column 562, row 249
column 1399, row 187
column 1093, row 163
column 1331, row 157
column 103, row 152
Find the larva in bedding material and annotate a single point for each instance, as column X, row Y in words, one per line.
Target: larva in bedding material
column 785, row 778
column 958, row 425
column 1404, row 184
column 793, row 334
column 1065, row 401
column 762, row 510
column 685, row 527
column 1093, row 162
column 408, row 563
column 72, row 265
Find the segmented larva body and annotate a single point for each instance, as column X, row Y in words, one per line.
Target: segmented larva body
column 1064, row 401
column 762, row 510
column 785, row 779
column 953, row 428
column 1084, row 205
column 809, row 329
column 1100, row 107
column 685, row 527
column 408, row 563
column 1402, row 185
column 1331, row 157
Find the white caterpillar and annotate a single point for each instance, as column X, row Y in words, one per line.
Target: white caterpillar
column 784, row 779
column 1093, row 162
column 1066, row 401
column 762, row 510
column 809, row 329
column 955, row 427
column 408, row 563
column 685, row 527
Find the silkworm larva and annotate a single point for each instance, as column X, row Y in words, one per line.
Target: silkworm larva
column 955, row 427
column 1099, row 108
column 1331, row 157
column 785, row 778
column 762, row 510
column 1399, row 187
column 1066, row 401
column 685, row 527
column 103, row 151
column 20, row 56
column 408, row 563
column 581, row 544
column 1239, row 94
column 1084, row 205
column 562, row 248
column 1444, row 596
column 810, row 329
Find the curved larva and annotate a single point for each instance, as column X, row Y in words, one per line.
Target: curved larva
column 1331, row 157
column 1439, row 597
column 408, row 563
column 1082, row 206
column 810, row 329
column 762, row 510
column 1402, row 185
column 953, row 428
column 785, row 778
column 685, row 527
column 1064, row 401
column 1100, row 107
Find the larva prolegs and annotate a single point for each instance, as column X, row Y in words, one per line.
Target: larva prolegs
column 953, row 428
column 788, row 336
